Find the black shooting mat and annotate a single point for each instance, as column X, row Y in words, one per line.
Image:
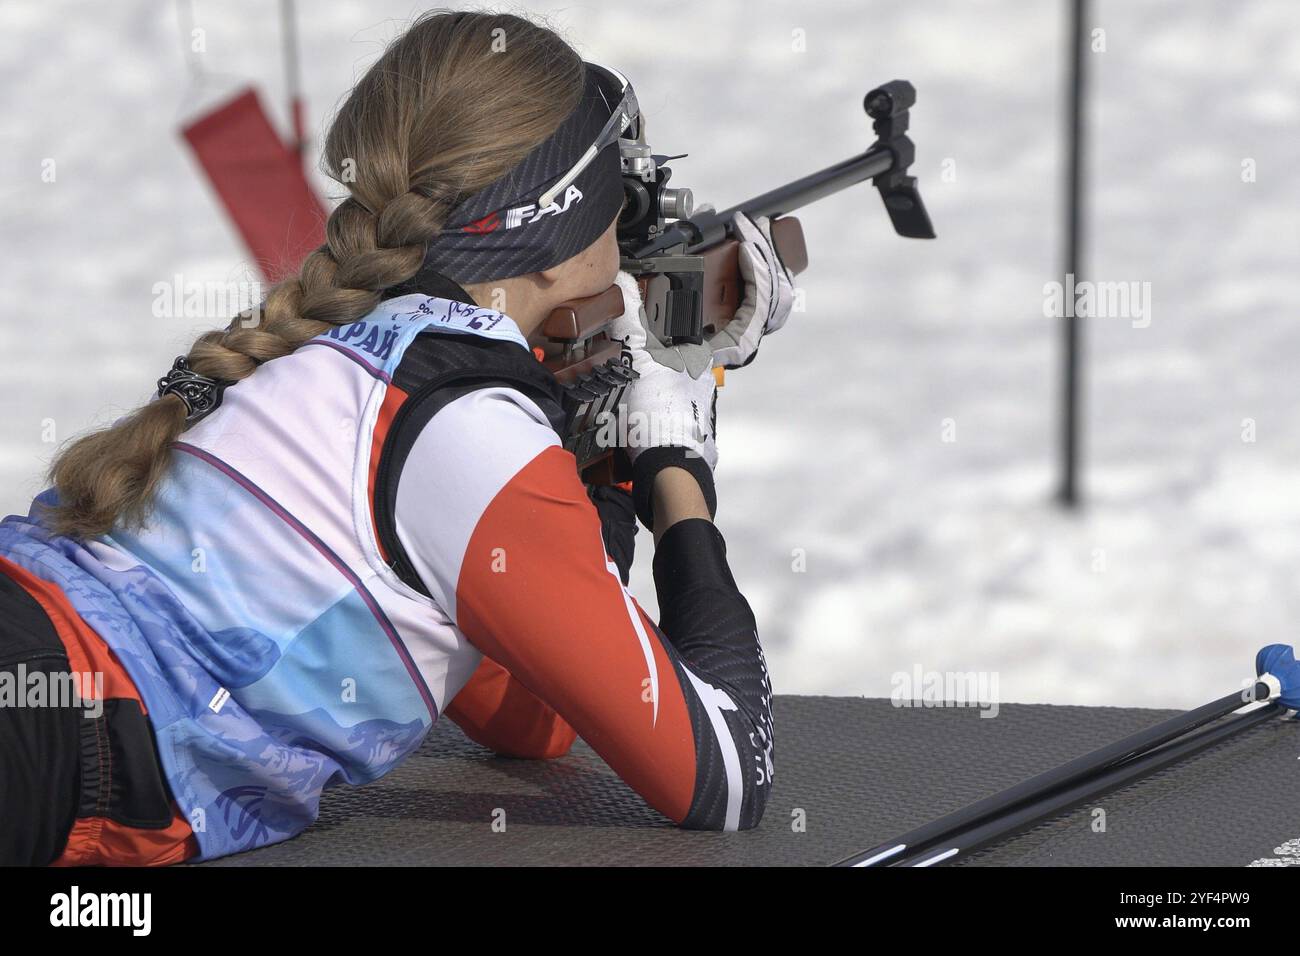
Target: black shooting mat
column 861, row 771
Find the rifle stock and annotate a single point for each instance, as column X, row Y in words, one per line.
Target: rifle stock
column 576, row 331
column 578, row 341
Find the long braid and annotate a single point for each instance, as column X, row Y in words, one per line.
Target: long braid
column 443, row 113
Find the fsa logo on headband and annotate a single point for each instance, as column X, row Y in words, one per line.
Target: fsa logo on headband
column 522, row 215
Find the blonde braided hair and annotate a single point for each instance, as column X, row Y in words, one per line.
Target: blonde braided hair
column 450, row 107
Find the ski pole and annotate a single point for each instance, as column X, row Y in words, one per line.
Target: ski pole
column 921, row 837
column 1056, row 801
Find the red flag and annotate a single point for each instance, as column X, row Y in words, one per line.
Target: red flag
column 261, row 183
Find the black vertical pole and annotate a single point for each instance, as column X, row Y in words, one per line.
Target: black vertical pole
column 1071, row 330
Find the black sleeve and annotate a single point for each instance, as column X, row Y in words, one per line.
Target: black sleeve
column 709, row 623
column 617, row 524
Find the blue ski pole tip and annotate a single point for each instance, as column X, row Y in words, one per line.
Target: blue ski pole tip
column 1279, row 660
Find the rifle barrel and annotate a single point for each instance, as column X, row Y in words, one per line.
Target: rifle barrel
column 709, row 227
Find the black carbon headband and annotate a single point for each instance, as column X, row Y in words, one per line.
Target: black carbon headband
column 501, row 231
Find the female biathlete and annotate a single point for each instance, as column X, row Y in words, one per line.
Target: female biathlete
column 352, row 511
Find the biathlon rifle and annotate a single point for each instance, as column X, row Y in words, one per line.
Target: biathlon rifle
column 686, row 263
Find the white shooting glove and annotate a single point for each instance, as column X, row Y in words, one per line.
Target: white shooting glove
column 669, row 410
column 769, row 295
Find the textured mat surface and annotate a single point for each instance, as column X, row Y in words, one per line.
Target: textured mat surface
column 853, row 772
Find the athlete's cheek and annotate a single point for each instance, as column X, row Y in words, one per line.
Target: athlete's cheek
column 610, row 245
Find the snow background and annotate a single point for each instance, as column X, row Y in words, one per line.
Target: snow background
column 945, row 555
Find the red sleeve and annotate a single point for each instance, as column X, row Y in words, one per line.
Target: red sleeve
column 497, row 711
column 557, row 616
column 501, row 530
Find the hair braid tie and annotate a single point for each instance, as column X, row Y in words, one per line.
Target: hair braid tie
column 200, row 394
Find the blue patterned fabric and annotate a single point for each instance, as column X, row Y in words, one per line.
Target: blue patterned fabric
column 263, row 642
